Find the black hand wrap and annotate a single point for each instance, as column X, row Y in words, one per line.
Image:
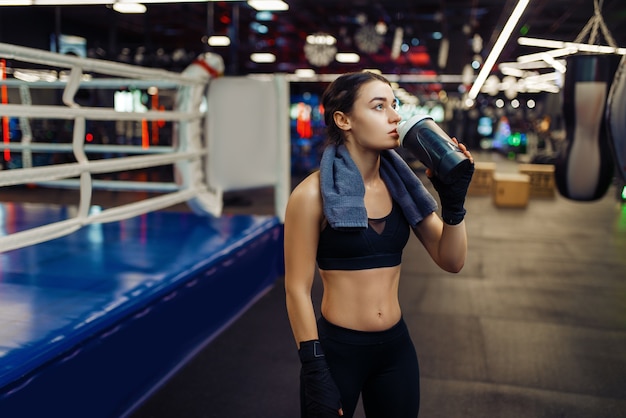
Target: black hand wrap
column 452, row 196
column 321, row 396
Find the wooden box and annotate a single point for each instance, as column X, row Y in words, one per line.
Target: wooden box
column 482, row 180
column 541, row 179
column 511, row 190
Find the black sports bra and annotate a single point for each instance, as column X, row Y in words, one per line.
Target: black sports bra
column 379, row 245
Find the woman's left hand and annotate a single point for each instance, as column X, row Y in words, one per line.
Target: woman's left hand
column 452, row 195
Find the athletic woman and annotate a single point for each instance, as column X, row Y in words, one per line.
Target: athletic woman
column 360, row 345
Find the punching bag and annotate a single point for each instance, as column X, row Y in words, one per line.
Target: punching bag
column 616, row 118
column 584, row 168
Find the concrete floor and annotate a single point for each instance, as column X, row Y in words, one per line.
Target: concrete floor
column 534, row 325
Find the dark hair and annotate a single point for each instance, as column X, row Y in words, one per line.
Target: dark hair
column 340, row 96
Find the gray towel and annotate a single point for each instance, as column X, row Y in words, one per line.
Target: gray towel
column 343, row 190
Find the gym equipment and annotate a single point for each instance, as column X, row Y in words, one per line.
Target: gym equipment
column 616, row 118
column 584, row 169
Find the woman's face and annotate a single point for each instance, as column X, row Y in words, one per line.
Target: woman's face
column 374, row 119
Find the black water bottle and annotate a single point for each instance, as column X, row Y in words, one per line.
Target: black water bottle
column 433, row 147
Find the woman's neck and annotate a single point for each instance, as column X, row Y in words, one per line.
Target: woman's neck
column 367, row 161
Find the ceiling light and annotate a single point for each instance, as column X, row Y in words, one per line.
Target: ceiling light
column 381, row 28
column 444, row 51
column 86, row 2
column 218, row 40
column 546, row 43
column 305, row 72
column 554, row 63
column 515, row 72
column 601, row 49
column 123, row 7
column 532, row 65
column 539, row 56
column 397, row 43
column 263, row 57
column 321, row 39
column 542, row 78
column 577, row 46
column 273, row 5
column 347, row 57
column 181, row 1
column 497, row 47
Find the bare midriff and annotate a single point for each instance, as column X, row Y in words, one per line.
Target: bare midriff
column 363, row 300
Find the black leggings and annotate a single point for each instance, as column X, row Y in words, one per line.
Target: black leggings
column 381, row 366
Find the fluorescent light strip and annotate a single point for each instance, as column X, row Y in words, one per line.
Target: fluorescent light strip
column 542, row 78
column 545, row 43
column 548, row 43
column 128, row 7
column 87, row 2
column 539, row 56
column 218, row 40
column 305, row 72
column 263, row 57
column 268, row 5
column 539, row 87
column 561, row 48
column 497, row 48
column 512, row 71
column 532, row 65
column 347, row 57
column 554, row 63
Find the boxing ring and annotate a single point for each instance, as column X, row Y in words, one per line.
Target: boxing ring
column 99, row 306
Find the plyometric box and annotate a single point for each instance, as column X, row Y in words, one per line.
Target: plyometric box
column 541, row 179
column 482, row 180
column 511, row 190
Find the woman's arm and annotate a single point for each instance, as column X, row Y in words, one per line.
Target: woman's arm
column 446, row 244
column 303, row 219
column 302, row 227
column 446, row 240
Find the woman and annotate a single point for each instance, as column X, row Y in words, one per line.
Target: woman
column 360, row 345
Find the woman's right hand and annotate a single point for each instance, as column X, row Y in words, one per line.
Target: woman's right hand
column 321, row 397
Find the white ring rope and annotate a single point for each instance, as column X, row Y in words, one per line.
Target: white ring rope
column 116, row 69
column 58, row 112
column 68, row 170
column 61, row 228
column 188, row 151
column 92, row 148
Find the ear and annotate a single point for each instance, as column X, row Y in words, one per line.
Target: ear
column 341, row 120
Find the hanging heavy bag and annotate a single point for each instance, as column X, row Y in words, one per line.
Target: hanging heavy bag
column 584, row 168
column 616, row 118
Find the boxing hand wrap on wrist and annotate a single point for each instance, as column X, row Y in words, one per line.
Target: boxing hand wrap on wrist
column 310, row 351
column 321, row 395
column 452, row 197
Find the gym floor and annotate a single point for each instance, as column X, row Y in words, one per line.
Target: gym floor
column 533, row 326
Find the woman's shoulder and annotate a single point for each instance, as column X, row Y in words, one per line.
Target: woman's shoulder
column 307, row 195
column 309, row 187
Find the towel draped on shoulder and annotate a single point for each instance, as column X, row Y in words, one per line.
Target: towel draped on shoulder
column 343, row 190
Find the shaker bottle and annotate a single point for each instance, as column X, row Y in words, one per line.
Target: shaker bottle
column 433, row 147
